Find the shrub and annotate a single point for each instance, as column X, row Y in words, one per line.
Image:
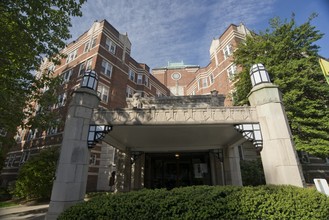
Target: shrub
column 35, row 177
column 206, row 202
column 252, row 172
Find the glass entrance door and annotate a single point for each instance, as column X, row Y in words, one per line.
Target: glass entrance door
column 169, row 170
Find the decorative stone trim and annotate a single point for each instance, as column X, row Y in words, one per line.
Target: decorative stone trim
column 152, row 116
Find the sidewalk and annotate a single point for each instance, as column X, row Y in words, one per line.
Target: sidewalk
column 35, row 212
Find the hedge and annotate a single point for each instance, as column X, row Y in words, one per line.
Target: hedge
column 206, row 202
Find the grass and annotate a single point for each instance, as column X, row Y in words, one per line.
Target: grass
column 7, row 204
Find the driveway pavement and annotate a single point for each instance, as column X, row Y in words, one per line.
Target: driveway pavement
column 35, row 212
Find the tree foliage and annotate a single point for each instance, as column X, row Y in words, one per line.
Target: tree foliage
column 290, row 55
column 29, row 31
column 35, row 178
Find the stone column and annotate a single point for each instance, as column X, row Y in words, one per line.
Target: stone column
column 279, row 157
column 232, row 166
column 123, row 176
column 106, row 167
column 69, row 186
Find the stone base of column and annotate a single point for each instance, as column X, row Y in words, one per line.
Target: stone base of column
column 57, row 207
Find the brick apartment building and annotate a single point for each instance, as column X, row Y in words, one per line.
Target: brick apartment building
column 103, row 49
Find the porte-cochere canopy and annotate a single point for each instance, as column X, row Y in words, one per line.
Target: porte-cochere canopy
column 174, row 123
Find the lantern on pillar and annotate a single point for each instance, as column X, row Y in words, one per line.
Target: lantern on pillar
column 97, row 133
column 258, row 74
column 89, row 80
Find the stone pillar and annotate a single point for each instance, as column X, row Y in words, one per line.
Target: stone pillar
column 106, row 167
column 279, row 157
column 123, row 176
column 232, row 166
column 70, row 183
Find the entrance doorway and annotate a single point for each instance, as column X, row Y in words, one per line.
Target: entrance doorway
column 170, row 170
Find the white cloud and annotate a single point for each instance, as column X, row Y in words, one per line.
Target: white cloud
column 171, row 30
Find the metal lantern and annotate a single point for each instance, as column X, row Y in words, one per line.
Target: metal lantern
column 252, row 133
column 97, row 133
column 258, row 74
column 89, row 80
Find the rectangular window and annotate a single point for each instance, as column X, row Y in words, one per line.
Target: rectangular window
column 231, row 71
column 61, row 99
column 25, row 156
column 211, row 78
column 129, row 92
column 146, row 82
column 227, row 51
column 103, row 92
column 106, row 68
column 82, row 68
column 71, row 56
column 52, row 130
column 204, row 82
column 87, row 65
column 139, row 79
column 132, row 75
column 66, row 76
column 110, row 46
column 11, row 160
column 93, row 44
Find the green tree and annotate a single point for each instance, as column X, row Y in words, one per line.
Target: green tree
column 29, row 31
column 290, row 55
column 35, row 178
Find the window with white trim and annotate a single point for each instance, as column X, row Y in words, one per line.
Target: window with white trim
column 110, row 46
column 204, row 82
column 82, row 68
column 61, row 99
column 211, row 78
column 146, row 81
column 129, row 92
column 89, row 64
column 103, row 92
column 139, row 79
column 231, row 71
column 227, row 51
column 25, row 156
column 106, row 68
column 52, row 130
column 71, row 56
column 131, row 75
column 11, row 160
column 66, row 76
column 51, row 68
column 93, row 44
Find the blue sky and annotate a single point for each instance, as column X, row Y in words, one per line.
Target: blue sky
column 182, row 30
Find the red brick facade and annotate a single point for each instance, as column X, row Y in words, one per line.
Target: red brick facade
column 197, row 80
